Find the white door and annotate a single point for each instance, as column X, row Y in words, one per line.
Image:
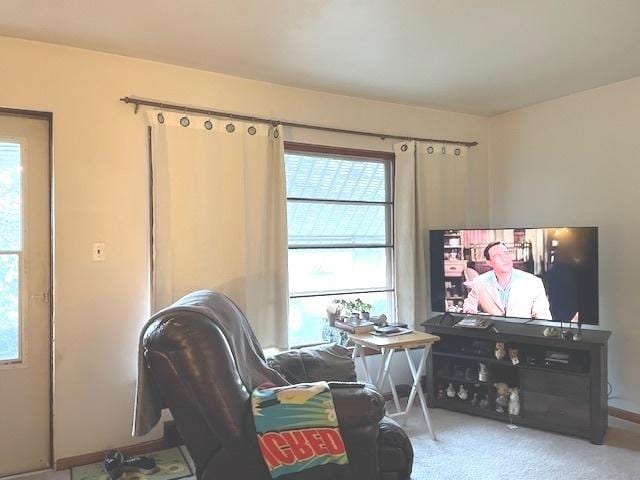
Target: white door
column 25, row 285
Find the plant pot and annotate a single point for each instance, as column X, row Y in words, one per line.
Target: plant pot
column 332, row 317
column 365, row 315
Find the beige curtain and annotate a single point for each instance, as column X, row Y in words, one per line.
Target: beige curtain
column 219, row 216
column 430, row 193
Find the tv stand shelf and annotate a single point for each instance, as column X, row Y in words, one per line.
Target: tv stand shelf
column 566, row 393
column 492, row 361
column 465, row 407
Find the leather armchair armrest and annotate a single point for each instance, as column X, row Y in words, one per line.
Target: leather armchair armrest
column 328, row 362
column 357, row 405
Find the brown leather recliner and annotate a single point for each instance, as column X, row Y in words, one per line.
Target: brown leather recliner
column 205, row 360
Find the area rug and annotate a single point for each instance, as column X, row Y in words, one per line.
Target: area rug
column 172, row 465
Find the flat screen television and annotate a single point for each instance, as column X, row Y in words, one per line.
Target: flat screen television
column 540, row 273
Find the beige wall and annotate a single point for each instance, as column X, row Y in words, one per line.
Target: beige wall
column 100, row 194
column 576, row 161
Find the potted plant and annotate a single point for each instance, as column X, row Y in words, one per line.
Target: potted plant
column 353, row 310
column 346, row 309
column 337, row 310
column 363, row 308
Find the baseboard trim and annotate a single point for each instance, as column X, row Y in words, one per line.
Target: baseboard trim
column 87, row 458
column 624, row 415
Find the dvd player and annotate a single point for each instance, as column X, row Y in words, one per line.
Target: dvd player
column 557, row 360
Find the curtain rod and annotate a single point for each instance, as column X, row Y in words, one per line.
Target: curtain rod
column 182, row 108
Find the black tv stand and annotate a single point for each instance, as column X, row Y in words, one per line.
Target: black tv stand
column 562, row 382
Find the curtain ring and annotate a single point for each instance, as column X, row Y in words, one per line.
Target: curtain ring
column 404, row 147
column 184, row 121
column 230, row 127
column 252, row 128
column 208, row 124
column 430, row 149
column 160, row 116
column 444, row 150
column 457, row 151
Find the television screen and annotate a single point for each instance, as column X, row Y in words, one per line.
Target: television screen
column 540, row 273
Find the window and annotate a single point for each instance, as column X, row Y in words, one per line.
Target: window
column 340, row 234
column 10, row 249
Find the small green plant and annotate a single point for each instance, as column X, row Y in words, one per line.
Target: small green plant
column 356, row 305
column 360, row 306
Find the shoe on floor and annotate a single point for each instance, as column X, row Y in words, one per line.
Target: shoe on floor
column 113, row 464
column 144, row 465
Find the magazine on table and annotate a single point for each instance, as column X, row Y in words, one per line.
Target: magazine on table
column 474, row 322
column 391, row 330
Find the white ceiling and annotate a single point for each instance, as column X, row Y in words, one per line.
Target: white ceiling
column 476, row 56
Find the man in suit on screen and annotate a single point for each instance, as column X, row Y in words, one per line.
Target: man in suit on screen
column 505, row 291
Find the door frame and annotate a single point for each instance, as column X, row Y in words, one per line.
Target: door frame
column 47, row 117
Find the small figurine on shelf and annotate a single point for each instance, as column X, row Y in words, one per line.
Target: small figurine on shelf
column 451, row 392
column 483, row 373
column 463, row 393
column 502, row 396
column 484, row 403
column 500, row 351
column 474, row 400
column 513, row 355
column 440, row 391
column 514, row 401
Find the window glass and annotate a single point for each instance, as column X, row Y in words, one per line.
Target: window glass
column 330, row 178
column 336, row 223
column 331, row 269
column 307, row 314
column 340, row 242
column 10, row 246
column 10, row 197
column 9, row 307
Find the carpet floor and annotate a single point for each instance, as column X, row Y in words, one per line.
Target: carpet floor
column 475, row 448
